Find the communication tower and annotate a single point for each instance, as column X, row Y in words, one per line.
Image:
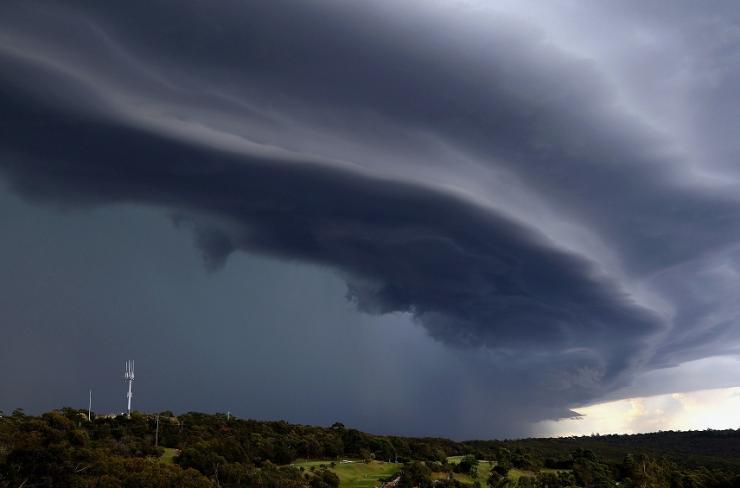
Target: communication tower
column 128, row 377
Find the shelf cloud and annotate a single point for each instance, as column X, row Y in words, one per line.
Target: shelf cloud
column 569, row 215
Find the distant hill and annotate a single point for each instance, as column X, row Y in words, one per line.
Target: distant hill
column 710, row 448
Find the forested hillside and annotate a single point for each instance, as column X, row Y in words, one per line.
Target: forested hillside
column 63, row 448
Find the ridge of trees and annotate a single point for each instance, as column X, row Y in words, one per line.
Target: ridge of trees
column 64, row 448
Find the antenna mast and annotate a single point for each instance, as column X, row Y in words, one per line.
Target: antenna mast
column 128, row 377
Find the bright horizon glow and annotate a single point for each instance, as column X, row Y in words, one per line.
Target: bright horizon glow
column 697, row 410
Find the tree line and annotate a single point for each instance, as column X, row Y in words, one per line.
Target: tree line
column 64, row 448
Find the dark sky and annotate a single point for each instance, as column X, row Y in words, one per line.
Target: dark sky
column 427, row 217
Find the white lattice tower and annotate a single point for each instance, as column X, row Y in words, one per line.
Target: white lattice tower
column 128, row 377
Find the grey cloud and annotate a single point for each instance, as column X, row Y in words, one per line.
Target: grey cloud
column 472, row 276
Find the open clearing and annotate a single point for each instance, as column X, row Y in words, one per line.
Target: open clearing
column 484, row 469
column 169, row 455
column 356, row 473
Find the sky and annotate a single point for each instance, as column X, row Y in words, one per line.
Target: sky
column 442, row 217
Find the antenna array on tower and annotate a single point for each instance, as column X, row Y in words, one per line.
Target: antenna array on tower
column 128, row 376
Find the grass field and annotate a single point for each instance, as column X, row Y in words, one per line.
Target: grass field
column 169, row 455
column 454, row 459
column 356, row 474
column 484, row 470
column 515, row 474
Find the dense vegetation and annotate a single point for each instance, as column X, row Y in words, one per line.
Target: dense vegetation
column 62, row 448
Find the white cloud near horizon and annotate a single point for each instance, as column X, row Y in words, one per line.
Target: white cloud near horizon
column 697, row 410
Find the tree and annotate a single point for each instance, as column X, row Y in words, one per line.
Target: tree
column 324, row 479
column 415, row 474
column 467, row 465
column 497, row 480
column 503, row 461
column 589, row 472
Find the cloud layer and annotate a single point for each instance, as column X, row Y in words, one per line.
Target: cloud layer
column 466, row 164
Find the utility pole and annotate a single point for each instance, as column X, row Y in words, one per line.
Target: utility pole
column 156, row 434
column 89, row 408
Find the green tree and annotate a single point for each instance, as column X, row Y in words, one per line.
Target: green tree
column 415, row 474
column 497, row 480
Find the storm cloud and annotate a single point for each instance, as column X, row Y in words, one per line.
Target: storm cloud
column 461, row 163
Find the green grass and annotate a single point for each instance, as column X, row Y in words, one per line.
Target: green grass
column 169, row 454
column 301, row 463
column 484, row 470
column 463, row 478
column 515, row 474
column 555, row 471
column 356, row 474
